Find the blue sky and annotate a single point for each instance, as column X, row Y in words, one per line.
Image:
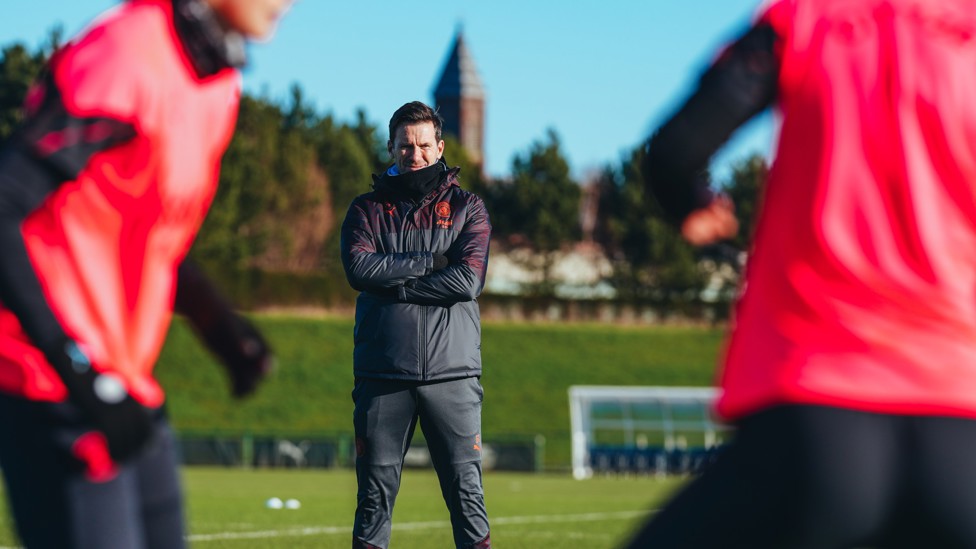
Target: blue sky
column 602, row 74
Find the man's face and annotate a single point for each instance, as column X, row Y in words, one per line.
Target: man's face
column 415, row 146
column 255, row 19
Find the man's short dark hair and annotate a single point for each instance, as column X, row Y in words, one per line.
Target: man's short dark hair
column 416, row 112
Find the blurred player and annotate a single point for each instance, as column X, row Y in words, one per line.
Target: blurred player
column 102, row 191
column 851, row 368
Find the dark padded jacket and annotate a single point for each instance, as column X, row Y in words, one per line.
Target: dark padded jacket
column 414, row 323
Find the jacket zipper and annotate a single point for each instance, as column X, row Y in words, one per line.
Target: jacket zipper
column 423, row 344
column 411, row 216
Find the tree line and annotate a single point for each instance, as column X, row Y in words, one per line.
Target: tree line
column 290, row 173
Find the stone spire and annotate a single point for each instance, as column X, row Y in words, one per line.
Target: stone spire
column 460, row 97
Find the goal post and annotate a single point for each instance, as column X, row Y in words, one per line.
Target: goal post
column 642, row 429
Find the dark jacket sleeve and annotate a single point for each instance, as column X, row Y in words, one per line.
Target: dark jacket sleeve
column 24, row 184
column 197, row 298
column 464, row 278
column 740, row 84
column 368, row 270
column 50, row 148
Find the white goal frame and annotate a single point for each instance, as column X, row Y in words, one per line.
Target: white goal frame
column 584, row 425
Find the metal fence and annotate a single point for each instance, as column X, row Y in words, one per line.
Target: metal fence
column 337, row 451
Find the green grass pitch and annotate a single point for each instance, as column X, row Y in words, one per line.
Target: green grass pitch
column 226, row 509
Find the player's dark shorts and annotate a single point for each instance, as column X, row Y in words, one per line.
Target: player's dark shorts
column 807, row 476
column 56, row 505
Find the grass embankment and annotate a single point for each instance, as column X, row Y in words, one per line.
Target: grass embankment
column 527, row 371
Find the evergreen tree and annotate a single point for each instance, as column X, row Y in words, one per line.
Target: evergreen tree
column 472, row 178
column 539, row 207
column 19, row 68
column 650, row 259
column 350, row 165
column 372, row 140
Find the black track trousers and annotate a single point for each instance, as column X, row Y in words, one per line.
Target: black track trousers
column 385, row 417
column 820, row 477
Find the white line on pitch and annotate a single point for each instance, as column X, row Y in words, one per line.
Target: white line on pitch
column 540, row 519
column 328, row 530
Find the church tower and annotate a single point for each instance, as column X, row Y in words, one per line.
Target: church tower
column 460, row 98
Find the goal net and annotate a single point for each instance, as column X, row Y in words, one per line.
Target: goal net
column 652, row 430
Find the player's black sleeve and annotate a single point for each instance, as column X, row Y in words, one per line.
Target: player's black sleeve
column 739, row 85
column 24, row 183
column 50, row 148
column 232, row 338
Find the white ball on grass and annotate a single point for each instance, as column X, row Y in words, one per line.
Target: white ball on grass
column 273, row 503
column 293, row 504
